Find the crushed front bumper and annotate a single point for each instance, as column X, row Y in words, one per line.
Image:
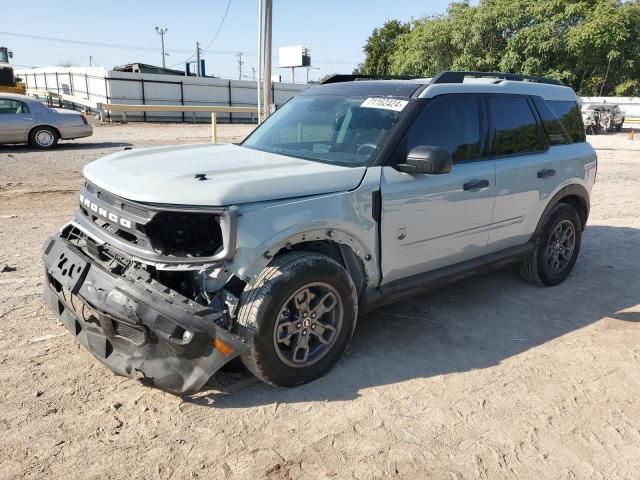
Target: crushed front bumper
column 131, row 326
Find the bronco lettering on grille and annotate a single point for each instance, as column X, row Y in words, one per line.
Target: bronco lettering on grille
column 104, row 213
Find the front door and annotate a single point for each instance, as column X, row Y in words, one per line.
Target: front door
column 432, row 221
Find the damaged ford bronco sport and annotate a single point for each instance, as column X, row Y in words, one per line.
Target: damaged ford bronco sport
column 353, row 194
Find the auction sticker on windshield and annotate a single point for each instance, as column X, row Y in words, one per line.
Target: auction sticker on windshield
column 385, row 103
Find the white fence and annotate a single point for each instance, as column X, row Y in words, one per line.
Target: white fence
column 102, row 86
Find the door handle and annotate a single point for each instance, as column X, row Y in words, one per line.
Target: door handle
column 475, row 184
column 546, row 172
column 27, row 119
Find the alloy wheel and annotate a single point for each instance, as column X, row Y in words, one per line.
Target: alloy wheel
column 561, row 245
column 308, row 325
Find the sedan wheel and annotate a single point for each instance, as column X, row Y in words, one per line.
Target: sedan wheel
column 43, row 138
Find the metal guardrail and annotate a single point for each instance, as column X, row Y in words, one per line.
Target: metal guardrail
column 213, row 109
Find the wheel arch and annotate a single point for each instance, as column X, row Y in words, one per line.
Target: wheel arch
column 55, row 129
column 340, row 245
column 575, row 195
column 341, row 253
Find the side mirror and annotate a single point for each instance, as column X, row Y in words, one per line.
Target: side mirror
column 426, row 159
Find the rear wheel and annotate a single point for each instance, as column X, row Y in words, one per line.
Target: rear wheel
column 43, row 138
column 556, row 247
column 297, row 318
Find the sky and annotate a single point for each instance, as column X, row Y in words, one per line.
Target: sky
column 334, row 30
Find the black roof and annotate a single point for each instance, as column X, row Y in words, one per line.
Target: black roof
column 386, row 88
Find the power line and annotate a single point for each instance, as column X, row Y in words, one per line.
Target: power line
column 212, row 40
column 219, row 26
column 91, row 44
column 151, row 49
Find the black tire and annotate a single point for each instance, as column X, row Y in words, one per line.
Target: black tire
column 619, row 127
column 38, row 135
column 536, row 267
column 263, row 306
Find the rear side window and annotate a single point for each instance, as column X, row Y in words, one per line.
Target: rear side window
column 556, row 133
column 570, row 116
column 449, row 122
column 12, row 107
column 516, row 130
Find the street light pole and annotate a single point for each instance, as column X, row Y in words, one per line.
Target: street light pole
column 266, row 78
column 198, row 72
column 161, row 31
column 260, row 45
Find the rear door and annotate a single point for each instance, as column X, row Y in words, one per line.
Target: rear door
column 431, row 221
column 15, row 121
column 526, row 169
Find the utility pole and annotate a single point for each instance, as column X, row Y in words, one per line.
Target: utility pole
column 240, row 63
column 197, row 59
column 266, row 81
column 161, row 31
column 90, row 60
column 253, row 73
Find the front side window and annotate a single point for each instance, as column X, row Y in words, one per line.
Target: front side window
column 341, row 130
column 516, row 130
column 11, row 107
column 449, row 122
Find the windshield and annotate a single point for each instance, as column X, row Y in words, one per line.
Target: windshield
column 3, row 56
column 326, row 128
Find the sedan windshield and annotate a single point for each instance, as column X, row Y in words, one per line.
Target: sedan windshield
column 326, row 128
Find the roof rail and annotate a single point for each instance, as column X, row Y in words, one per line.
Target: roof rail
column 458, row 77
column 352, row 78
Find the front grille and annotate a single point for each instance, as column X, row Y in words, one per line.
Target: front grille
column 171, row 232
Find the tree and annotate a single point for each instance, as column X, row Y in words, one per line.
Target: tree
column 590, row 45
column 379, row 47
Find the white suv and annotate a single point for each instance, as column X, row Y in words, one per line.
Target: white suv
column 353, row 194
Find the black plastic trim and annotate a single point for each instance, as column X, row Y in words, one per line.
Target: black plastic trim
column 434, row 279
column 376, row 206
column 570, row 190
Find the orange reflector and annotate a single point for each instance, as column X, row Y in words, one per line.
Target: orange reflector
column 222, row 346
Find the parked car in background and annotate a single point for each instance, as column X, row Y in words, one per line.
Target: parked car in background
column 599, row 118
column 26, row 120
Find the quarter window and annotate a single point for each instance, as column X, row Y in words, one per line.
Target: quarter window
column 451, row 123
column 516, row 130
column 556, row 133
column 570, row 116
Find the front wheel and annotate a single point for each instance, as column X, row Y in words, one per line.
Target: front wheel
column 556, row 247
column 298, row 318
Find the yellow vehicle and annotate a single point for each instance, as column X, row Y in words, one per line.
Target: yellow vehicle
column 9, row 83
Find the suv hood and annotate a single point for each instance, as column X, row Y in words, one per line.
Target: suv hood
column 234, row 175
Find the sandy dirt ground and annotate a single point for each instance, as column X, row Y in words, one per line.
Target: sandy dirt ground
column 491, row 378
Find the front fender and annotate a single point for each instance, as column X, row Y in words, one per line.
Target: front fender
column 342, row 218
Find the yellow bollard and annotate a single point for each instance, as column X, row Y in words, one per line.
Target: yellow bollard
column 632, row 135
column 213, row 127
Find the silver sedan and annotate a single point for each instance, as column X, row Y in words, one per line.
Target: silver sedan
column 26, row 120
